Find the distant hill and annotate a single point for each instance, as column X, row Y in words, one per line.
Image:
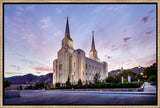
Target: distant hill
column 48, row 78
column 30, row 78
column 135, row 70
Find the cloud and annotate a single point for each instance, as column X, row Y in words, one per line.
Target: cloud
column 147, row 33
column 45, row 22
column 27, row 34
column 145, row 19
column 43, row 69
column 13, row 73
column 18, row 68
column 31, row 7
column 58, row 10
column 38, row 72
column 27, row 61
column 19, row 8
column 150, row 62
column 13, row 66
column 108, row 57
column 126, row 39
column 58, row 33
column 151, row 11
column 22, row 9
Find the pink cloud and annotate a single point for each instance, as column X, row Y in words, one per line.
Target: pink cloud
column 42, row 69
column 150, row 62
column 147, row 33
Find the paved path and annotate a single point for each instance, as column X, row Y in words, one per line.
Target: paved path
column 148, row 88
column 45, row 97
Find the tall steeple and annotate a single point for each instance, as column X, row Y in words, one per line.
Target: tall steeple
column 93, row 44
column 93, row 53
column 67, row 41
column 67, row 32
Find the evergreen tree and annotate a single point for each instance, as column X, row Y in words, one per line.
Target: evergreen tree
column 79, row 82
column 6, row 83
column 96, row 78
column 68, row 83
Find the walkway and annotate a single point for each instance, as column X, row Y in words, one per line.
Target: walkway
column 148, row 88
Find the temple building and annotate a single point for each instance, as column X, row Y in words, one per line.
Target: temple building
column 74, row 64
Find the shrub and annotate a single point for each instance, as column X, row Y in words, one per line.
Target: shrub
column 57, row 84
column 6, row 83
column 152, row 78
column 111, row 79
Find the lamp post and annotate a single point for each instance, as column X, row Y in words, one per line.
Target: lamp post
column 139, row 72
column 122, row 75
column 72, row 79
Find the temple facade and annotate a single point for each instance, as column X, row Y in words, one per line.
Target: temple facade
column 74, row 64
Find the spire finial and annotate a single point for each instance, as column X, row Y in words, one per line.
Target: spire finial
column 93, row 44
column 92, row 33
column 67, row 33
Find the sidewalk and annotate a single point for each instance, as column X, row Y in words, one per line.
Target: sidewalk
column 148, row 88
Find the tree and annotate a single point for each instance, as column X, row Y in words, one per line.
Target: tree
column 57, row 84
column 68, row 83
column 111, row 79
column 125, row 74
column 6, row 84
column 79, row 82
column 149, row 71
column 96, row 78
column 152, row 78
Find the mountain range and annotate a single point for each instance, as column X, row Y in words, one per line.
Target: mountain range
column 135, row 70
column 30, row 78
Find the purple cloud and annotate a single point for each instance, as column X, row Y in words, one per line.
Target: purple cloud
column 126, row 39
column 13, row 66
column 145, row 19
column 108, row 57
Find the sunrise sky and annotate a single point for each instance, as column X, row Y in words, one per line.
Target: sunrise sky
column 125, row 34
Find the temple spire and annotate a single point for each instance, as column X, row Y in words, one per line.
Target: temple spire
column 93, row 44
column 67, row 33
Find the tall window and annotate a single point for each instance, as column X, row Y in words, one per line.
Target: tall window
column 82, row 73
column 74, row 73
column 74, row 64
column 86, row 66
column 60, row 75
column 89, row 66
column 74, row 81
column 60, row 66
column 82, row 81
column 83, row 64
